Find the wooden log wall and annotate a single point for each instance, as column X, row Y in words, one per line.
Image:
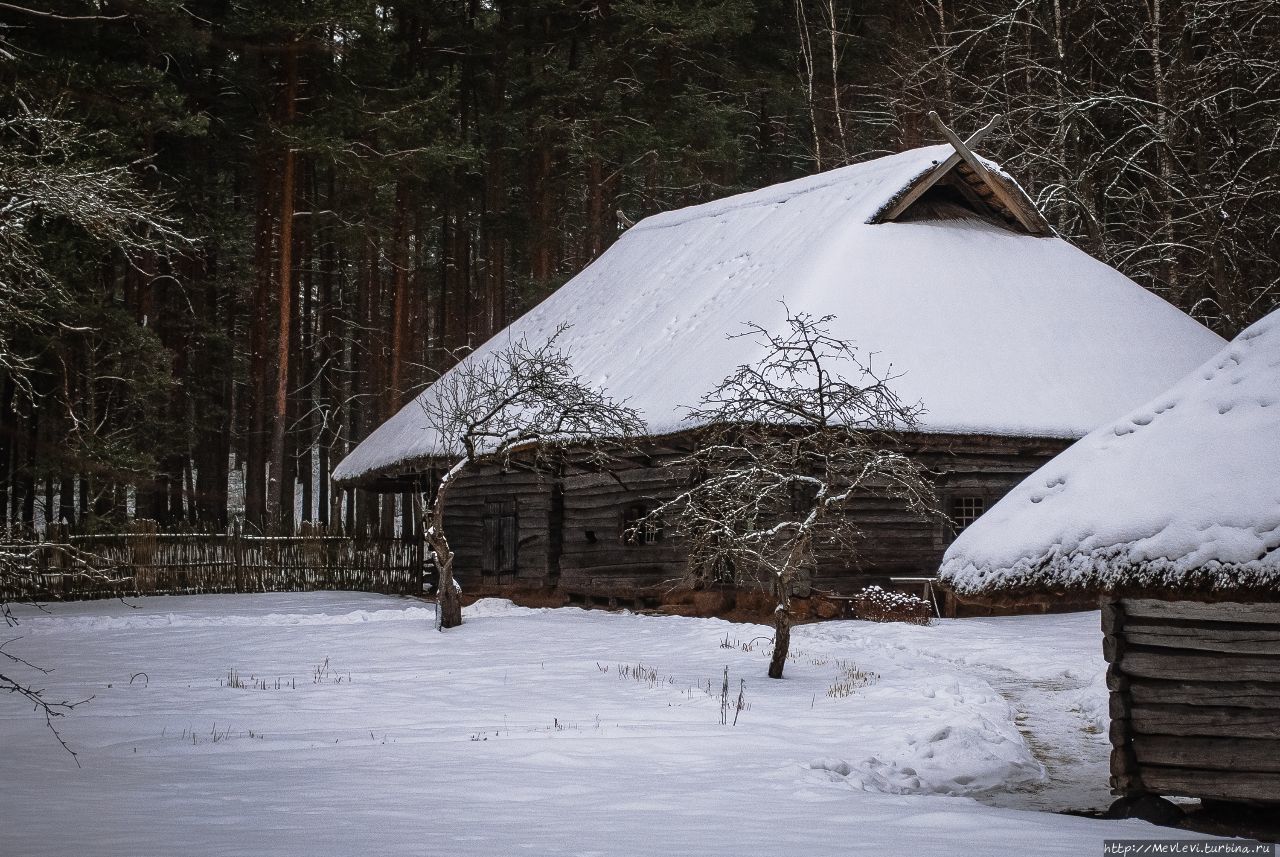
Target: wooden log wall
column 1195, row 698
column 151, row 563
column 596, row 561
column 468, row 504
column 570, row 526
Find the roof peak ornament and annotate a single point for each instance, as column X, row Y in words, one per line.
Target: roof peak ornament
column 985, row 188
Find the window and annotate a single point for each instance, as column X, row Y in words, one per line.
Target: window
column 638, row 528
column 966, row 510
column 803, row 496
column 498, row 536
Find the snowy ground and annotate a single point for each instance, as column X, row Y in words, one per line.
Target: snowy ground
column 517, row 734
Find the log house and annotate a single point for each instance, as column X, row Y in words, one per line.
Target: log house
column 934, row 262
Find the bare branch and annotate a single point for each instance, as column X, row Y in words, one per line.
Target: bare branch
column 40, row 13
column 520, row 398
column 791, row 441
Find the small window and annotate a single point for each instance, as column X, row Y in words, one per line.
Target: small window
column 803, row 496
column 639, row 527
column 966, row 510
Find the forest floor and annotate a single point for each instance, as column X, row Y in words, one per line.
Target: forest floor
column 345, row 724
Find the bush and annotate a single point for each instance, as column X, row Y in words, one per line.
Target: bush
column 878, row 605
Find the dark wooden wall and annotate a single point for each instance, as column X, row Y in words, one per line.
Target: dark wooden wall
column 1195, row 698
column 596, row 560
column 576, row 541
column 471, row 499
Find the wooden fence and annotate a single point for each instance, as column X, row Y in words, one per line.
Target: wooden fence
column 151, row 563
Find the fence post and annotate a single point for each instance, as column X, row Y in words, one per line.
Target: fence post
column 142, row 545
column 237, row 560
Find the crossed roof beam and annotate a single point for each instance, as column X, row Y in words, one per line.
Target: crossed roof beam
column 1010, row 197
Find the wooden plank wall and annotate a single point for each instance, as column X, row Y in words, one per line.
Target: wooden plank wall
column 1195, row 698
column 573, row 538
column 465, row 509
column 596, row 561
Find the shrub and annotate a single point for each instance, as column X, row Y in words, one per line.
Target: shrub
column 879, row 605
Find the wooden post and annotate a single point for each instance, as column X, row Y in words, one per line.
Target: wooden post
column 237, row 560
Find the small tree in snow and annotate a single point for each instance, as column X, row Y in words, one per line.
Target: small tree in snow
column 790, row 441
column 521, row 398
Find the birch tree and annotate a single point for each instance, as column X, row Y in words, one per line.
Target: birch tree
column 522, row 398
column 790, row 441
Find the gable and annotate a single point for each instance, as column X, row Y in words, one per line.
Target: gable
column 961, row 183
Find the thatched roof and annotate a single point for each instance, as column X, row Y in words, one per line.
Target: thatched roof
column 1180, row 497
column 995, row 329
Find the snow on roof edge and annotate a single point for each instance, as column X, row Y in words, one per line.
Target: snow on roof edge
column 1142, row 563
column 1107, row 571
column 853, row 193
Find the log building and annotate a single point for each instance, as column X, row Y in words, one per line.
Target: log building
column 933, row 262
column 1171, row 515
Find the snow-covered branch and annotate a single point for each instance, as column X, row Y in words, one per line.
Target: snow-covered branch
column 792, row 441
column 522, row 398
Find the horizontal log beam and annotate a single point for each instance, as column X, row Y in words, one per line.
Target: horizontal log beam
column 1221, row 785
column 1209, row 721
column 1152, row 608
column 1238, row 756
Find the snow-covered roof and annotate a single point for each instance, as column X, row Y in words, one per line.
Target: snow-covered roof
column 993, row 331
column 1181, row 494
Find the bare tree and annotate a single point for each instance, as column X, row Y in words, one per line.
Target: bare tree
column 1146, row 134
column 21, row 563
column 50, row 173
column 521, row 398
column 790, row 440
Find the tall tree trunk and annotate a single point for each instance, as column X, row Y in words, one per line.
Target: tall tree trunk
column 8, row 434
column 277, row 492
column 399, row 301
column 67, row 500
column 256, row 423
column 782, row 608
column 781, row 636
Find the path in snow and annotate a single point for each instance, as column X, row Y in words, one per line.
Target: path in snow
column 1050, row 671
column 1062, row 737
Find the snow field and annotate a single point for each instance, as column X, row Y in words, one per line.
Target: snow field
column 361, row 729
